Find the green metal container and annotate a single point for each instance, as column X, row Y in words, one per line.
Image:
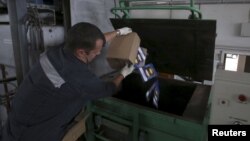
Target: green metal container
column 182, row 47
column 117, row 119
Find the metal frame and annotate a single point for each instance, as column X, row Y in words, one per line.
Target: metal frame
column 17, row 10
column 6, row 97
column 66, row 15
column 124, row 8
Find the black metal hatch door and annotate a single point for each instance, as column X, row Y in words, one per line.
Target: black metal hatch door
column 182, row 47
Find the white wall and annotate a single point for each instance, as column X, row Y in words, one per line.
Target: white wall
column 229, row 19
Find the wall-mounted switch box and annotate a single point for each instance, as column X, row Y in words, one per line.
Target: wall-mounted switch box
column 245, row 29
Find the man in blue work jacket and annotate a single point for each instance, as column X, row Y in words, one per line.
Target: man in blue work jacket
column 59, row 85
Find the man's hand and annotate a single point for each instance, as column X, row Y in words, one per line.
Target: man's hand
column 124, row 31
column 124, row 72
column 127, row 70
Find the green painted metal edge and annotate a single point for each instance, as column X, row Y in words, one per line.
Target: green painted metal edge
column 125, row 9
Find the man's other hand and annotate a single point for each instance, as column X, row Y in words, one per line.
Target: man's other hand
column 127, row 70
column 124, row 31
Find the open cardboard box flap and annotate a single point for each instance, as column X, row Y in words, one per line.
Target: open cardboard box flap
column 123, row 49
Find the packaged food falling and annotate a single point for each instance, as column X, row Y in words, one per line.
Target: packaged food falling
column 147, row 72
column 153, row 94
column 140, row 58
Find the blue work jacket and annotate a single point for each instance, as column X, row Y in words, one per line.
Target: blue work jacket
column 42, row 111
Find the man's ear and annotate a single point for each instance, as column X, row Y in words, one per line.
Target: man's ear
column 80, row 52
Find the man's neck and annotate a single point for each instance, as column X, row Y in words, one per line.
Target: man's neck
column 83, row 59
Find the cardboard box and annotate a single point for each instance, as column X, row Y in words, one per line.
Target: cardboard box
column 123, row 49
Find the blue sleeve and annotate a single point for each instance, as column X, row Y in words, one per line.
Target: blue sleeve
column 97, row 88
column 89, row 84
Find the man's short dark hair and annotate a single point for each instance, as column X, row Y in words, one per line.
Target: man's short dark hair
column 83, row 35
